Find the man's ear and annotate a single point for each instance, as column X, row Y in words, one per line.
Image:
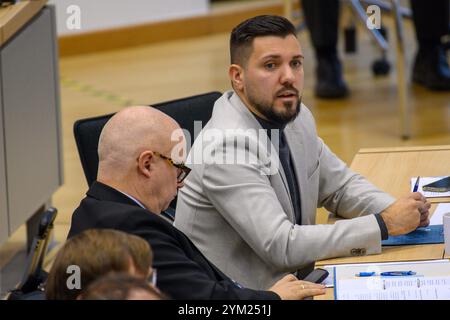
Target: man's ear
column 145, row 164
column 236, row 74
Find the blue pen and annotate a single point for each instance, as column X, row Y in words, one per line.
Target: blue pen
column 386, row 274
column 365, row 274
column 416, row 185
column 397, row 273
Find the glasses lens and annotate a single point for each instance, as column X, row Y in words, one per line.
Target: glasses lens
column 181, row 176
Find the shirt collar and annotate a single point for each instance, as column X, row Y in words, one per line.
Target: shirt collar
column 135, row 200
column 163, row 214
column 269, row 125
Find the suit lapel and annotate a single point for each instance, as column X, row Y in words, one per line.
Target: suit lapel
column 295, row 143
column 282, row 176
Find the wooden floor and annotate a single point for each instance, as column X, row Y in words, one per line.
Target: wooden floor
column 102, row 83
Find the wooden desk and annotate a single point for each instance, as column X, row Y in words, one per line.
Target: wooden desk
column 14, row 17
column 390, row 169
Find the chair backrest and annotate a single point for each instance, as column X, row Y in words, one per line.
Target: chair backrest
column 185, row 111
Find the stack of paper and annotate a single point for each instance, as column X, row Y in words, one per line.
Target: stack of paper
column 431, row 281
column 411, row 288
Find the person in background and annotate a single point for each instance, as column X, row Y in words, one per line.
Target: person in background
column 121, row 286
column 92, row 254
column 430, row 69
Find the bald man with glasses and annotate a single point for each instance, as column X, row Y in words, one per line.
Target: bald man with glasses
column 141, row 152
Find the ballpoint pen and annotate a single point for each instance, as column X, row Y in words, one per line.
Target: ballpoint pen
column 386, row 274
column 365, row 274
column 416, row 185
column 397, row 273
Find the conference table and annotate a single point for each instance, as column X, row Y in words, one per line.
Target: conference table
column 391, row 170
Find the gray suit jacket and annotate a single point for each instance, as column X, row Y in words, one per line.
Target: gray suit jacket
column 240, row 215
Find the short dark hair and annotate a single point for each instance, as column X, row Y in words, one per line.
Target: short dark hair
column 242, row 36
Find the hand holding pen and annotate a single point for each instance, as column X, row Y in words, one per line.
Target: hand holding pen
column 406, row 214
column 424, row 209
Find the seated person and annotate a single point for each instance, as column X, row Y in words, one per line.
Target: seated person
column 92, row 254
column 141, row 151
column 121, row 286
column 257, row 211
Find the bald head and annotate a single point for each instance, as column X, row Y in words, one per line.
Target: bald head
column 130, row 132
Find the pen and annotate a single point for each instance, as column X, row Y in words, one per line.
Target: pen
column 386, row 274
column 397, row 273
column 365, row 274
column 416, row 185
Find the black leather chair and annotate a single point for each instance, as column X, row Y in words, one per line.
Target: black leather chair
column 185, row 111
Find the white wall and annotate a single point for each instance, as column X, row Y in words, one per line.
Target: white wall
column 106, row 14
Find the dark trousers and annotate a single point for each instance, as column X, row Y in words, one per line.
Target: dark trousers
column 431, row 20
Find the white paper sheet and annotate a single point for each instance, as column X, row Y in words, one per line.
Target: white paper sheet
column 426, row 180
column 402, row 288
column 438, row 214
column 431, row 282
column 329, row 281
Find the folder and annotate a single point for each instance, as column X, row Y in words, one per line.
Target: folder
column 424, row 235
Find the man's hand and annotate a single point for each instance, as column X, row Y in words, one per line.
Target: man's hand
column 406, row 214
column 290, row 288
column 424, row 212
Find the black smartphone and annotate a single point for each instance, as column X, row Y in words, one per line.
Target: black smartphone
column 442, row 185
column 317, row 276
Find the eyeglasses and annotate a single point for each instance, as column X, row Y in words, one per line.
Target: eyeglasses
column 184, row 171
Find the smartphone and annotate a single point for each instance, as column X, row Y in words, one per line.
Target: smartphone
column 442, row 185
column 317, row 276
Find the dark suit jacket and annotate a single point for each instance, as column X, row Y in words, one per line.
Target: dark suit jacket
column 183, row 272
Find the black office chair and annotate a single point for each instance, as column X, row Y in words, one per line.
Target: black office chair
column 185, row 111
column 31, row 286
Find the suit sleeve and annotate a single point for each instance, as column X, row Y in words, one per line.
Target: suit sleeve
column 354, row 195
column 181, row 277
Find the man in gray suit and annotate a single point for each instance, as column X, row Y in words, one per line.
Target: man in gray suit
column 259, row 171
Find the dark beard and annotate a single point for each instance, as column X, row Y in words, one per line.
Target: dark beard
column 281, row 119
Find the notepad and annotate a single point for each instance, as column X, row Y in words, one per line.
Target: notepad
column 329, row 281
column 424, row 235
column 431, row 282
column 414, row 288
column 426, row 180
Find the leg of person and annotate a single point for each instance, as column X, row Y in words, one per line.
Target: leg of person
column 322, row 21
column 431, row 20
